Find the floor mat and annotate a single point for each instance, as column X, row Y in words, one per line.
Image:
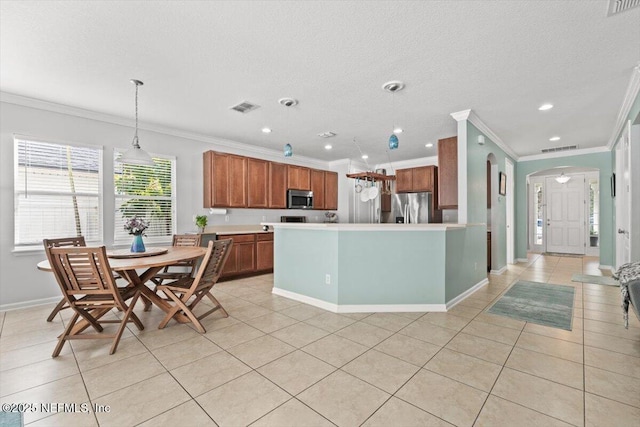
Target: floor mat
column 541, row 303
column 596, row 280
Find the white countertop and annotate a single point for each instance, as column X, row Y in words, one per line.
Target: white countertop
column 225, row 230
column 368, row 227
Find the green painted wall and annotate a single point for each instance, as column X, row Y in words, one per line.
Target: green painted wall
column 392, row 267
column 601, row 161
column 477, row 193
column 461, row 245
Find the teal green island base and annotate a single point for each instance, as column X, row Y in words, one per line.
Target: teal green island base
column 348, row 268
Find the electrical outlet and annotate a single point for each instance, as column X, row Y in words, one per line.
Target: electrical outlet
column 264, row 217
column 475, row 266
column 327, row 279
column 226, row 218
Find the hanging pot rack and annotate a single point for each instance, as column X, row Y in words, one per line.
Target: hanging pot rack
column 371, row 176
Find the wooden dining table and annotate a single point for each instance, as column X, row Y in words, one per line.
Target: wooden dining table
column 128, row 266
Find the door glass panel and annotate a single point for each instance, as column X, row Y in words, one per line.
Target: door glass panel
column 538, row 213
column 594, row 213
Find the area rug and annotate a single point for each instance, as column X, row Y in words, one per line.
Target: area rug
column 541, row 303
column 596, row 280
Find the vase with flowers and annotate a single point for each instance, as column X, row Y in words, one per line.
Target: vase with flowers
column 136, row 227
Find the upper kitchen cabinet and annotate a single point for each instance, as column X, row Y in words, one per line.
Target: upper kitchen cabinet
column 404, row 180
column 448, row 173
column 225, row 180
column 258, row 188
column 317, row 187
column 277, row 185
column 330, row 190
column 415, row 180
column 298, row 178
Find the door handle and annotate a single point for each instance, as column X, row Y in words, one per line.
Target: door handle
column 621, row 231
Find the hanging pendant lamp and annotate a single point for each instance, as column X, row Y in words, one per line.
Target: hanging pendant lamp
column 136, row 155
column 288, row 102
column 393, row 87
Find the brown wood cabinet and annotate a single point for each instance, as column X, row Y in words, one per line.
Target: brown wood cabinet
column 258, row 179
column 264, row 251
column 225, row 180
column 242, row 256
column 298, row 178
column 404, row 180
column 277, row 185
column 317, row 186
column 232, row 181
column 448, row 173
column 414, row 180
column 330, row 190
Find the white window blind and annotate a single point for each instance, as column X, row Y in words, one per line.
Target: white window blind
column 146, row 192
column 57, row 191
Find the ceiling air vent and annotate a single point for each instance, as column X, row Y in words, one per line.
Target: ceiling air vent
column 244, row 107
column 617, row 6
column 555, row 149
column 326, row 135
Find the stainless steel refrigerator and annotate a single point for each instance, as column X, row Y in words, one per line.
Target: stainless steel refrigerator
column 409, row 208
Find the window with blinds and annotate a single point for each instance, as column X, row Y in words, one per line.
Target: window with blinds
column 145, row 192
column 57, row 192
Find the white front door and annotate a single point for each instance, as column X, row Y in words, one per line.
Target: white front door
column 565, row 215
column 623, row 219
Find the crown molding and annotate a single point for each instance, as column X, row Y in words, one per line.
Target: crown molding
column 567, row 153
column 233, row 146
column 411, row 163
column 461, row 115
column 472, row 117
column 629, row 97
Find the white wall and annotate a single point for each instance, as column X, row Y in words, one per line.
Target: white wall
column 20, row 281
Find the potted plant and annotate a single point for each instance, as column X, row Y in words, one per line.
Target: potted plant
column 201, row 222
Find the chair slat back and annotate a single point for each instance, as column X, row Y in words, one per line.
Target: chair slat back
column 82, row 271
column 65, row 241
column 187, row 239
column 212, row 264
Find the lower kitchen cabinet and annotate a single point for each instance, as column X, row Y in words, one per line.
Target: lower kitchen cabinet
column 264, row 252
column 250, row 253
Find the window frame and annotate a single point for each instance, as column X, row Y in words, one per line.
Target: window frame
column 30, row 247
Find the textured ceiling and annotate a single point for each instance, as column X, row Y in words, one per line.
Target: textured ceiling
column 501, row 59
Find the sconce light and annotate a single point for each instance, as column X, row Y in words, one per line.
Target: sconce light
column 480, row 139
column 562, row 179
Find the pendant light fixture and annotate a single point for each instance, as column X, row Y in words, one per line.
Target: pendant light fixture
column 136, row 155
column 562, row 179
column 393, row 87
column 288, row 102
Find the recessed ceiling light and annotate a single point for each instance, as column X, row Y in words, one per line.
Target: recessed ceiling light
column 554, row 138
column 545, row 107
column 397, row 130
column 266, row 130
column 365, row 157
column 328, row 147
column 429, row 145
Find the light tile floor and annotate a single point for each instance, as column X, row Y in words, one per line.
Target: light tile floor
column 276, row 362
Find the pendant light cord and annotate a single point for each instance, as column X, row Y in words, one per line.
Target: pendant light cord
column 135, row 136
column 361, row 153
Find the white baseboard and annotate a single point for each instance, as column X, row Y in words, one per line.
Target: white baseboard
column 359, row 308
column 499, row 272
column 26, row 304
column 607, row 267
column 522, row 260
column 466, row 293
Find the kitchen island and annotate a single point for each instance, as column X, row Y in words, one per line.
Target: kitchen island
column 379, row 267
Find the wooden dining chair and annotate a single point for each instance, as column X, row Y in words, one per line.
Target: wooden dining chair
column 183, row 290
column 56, row 243
column 186, row 267
column 90, row 290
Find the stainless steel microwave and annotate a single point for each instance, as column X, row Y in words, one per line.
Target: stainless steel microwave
column 299, row 199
